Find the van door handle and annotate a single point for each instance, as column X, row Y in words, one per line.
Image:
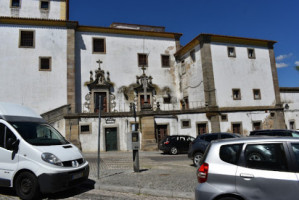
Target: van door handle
column 249, row 176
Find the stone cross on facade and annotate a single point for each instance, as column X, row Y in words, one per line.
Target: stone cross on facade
column 145, row 82
column 100, row 62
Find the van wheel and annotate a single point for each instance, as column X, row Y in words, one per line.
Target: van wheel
column 26, row 186
column 228, row 198
column 173, row 151
column 196, row 158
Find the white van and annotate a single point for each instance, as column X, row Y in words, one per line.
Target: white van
column 34, row 157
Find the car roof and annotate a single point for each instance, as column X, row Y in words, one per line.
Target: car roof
column 274, row 130
column 256, row 139
column 179, row 136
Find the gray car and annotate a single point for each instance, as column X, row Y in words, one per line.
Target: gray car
column 249, row 168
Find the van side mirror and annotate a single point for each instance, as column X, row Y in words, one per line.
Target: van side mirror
column 12, row 144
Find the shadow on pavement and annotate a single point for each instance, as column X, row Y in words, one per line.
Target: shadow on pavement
column 84, row 187
column 7, row 191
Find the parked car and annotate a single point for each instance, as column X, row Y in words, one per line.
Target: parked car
column 34, row 157
column 175, row 144
column 198, row 146
column 275, row 132
column 249, row 168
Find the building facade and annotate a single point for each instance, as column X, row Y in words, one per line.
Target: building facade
column 71, row 74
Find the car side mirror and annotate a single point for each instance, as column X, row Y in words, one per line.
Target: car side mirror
column 12, row 144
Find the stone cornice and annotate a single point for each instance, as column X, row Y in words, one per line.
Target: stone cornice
column 223, row 39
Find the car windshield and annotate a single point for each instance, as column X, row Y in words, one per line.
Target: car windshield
column 39, row 134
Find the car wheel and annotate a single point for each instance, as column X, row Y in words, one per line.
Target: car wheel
column 26, row 186
column 196, row 158
column 254, row 156
column 173, row 151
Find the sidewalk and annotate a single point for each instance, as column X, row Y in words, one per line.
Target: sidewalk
column 160, row 175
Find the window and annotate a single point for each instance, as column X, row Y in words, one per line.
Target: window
column 256, row 125
column 167, row 100
column 85, row 129
column 165, row 60
column 201, row 128
column 292, row 125
column 142, row 60
column 186, row 123
column 251, row 53
column 295, row 149
column 256, row 94
column 224, row 117
column 15, row 3
column 26, row 39
column 44, row 5
column 237, row 127
column 236, row 94
column 266, row 157
column 98, row 45
column 45, row 63
column 2, row 131
column 192, row 55
column 231, row 52
column 230, row 153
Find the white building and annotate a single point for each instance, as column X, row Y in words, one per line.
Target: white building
column 65, row 71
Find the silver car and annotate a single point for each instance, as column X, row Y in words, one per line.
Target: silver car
column 250, row 169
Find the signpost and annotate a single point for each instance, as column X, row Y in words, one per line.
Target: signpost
column 135, row 144
column 99, row 138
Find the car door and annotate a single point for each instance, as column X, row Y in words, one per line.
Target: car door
column 294, row 150
column 265, row 173
column 8, row 160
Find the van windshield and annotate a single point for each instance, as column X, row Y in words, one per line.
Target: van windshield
column 39, row 134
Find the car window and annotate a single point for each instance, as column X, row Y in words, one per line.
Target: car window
column 9, row 135
column 295, row 148
column 182, row 139
column 210, row 138
column 2, row 129
column 230, row 153
column 190, row 139
column 295, row 134
column 266, row 157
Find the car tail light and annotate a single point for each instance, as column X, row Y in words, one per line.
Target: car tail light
column 202, row 174
column 167, row 142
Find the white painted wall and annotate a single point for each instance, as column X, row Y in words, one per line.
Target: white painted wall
column 192, row 80
column 20, row 79
column 291, row 114
column 121, row 61
column 246, row 118
column 31, row 9
column 243, row 73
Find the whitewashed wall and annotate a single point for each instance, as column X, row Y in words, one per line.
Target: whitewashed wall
column 31, row 9
column 246, row 118
column 292, row 113
column 121, row 61
column 20, row 79
column 192, row 80
column 243, row 73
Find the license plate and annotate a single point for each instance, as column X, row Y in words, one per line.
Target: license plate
column 76, row 176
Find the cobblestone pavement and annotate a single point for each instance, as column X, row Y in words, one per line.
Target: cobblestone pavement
column 161, row 177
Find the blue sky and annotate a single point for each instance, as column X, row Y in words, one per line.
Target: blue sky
column 263, row 19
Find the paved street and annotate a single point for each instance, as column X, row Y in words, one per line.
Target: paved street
column 161, row 177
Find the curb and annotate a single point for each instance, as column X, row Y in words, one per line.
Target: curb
column 145, row 191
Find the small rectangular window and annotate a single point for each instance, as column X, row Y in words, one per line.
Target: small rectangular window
column 167, row 100
column 26, row 39
column 183, row 67
column 192, row 55
column 85, row 129
column 257, row 125
column 186, row 123
column 256, row 94
column 224, row 117
column 236, row 94
column 292, row 125
column 202, row 128
column 142, row 60
column 44, row 5
column 15, row 3
column 231, row 52
column 237, row 127
column 98, row 45
column 251, row 53
column 165, row 61
column 45, row 63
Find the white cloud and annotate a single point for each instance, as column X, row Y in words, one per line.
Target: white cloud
column 280, row 65
column 282, row 57
column 297, row 63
